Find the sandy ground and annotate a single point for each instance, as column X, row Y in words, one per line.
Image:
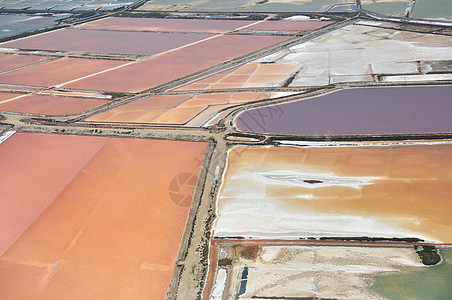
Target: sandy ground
column 309, row 271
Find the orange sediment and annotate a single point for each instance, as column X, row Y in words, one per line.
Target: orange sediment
column 34, row 169
column 173, row 109
column 112, row 233
column 213, row 264
column 249, row 75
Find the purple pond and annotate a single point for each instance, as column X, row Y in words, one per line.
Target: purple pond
column 361, row 111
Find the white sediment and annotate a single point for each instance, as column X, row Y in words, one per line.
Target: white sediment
column 417, row 78
column 218, row 288
column 355, row 53
column 291, row 178
column 6, row 136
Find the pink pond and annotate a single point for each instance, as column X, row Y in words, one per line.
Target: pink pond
column 107, row 41
column 179, row 25
column 6, row 96
column 10, row 62
column 170, row 66
column 58, row 71
column 50, row 105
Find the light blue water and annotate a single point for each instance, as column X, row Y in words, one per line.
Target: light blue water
column 386, row 8
column 433, row 283
column 432, row 9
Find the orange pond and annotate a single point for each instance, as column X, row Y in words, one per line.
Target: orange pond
column 176, row 64
column 50, row 105
column 411, row 191
column 173, row 109
column 107, row 41
column 111, row 230
column 178, row 25
column 58, row 71
column 246, row 76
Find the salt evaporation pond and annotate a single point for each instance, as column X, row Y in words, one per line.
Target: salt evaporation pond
column 401, row 110
column 90, row 217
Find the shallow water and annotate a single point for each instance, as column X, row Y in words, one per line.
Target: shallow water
column 386, row 8
column 437, row 9
column 14, row 24
column 431, row 283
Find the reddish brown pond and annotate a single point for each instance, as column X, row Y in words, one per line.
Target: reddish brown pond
column 379, row 110
column 107, row 41
column 10, row 62
column 173, row 65
column 50, row 105
column 180, row 25
column 111, row 232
